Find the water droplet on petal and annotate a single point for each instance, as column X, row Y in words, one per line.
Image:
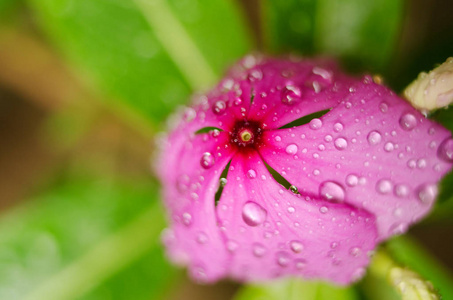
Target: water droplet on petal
column 291, row 210
column 383, row 107
column 293, row 189
column 445, row 150
column 352, row 180
column 186, row 218
column 331, row 191
column 219, row 107
column 408, row 121
column 277, row 138
column 223, row 182
column 401, row 190
column 315, row 124
column 389, row 147
column 291, row 149
column 283, row 259
column 427, row 193
column 323, row 209
column 202, row 238
column 253, row 214
column 232, row 246
column 300, row 263
column 338, row 127
column 355, row 251
column 251, row 174
column 341, row 143
column 258, row 250
column 290, row 94
column 207, row 160
column 384, row 186
column 374, row 137
column 296, row 246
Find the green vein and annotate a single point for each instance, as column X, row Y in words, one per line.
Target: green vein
column 178, row 43
column 103, row 260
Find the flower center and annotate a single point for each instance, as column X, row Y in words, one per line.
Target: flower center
column 246, row 134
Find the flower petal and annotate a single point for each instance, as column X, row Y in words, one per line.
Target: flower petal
column 193, row 168
column 271, row 232
column 286, row 90
column 373, row 151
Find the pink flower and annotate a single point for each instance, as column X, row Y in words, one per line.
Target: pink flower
column 364, row 171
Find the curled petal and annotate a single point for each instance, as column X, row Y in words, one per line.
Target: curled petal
column 271, row 232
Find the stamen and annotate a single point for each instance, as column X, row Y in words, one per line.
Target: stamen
column 246, row 135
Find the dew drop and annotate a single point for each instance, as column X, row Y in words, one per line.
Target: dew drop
column 352, row 180
column 207, row 160
column 277, row 138
column 331, row 191
column 384, row 186
column 323, row 209
column 291, row 149
column 291, row 210
column 293, row 189
column 328, row 138
column 401, row 190
column 251, row 174
column 232, row 246
column 296, row 246
column 338, row 127
column 219, row 107
column 445, row 150
column 202, row 238
column 315, row 124
column 189, row 114
column 186, row 218
column 383, row 107
column 355, row 251
column 253, row 214
column 427, row 193
column 374, row 137
column 258, row 250
column 341, row 143
column 290, row 94
column 300, row 264
column 389, row 147
column 283, row 259
column 408, row 121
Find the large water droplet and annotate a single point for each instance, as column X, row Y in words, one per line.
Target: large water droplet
column 427, row 193
column 290, row 94
column 445, row 150
column 315, row 124
column 219, row 107
column 384, row 186
column 374, row 137
column 296, row 246
column 331, row 191
column 253, row 214
column 408, row 121
column 251, row 174
column 207, row 160
column 291, row 149
column 341, row 143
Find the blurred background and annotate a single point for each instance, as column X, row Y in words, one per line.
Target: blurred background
column 85, row 87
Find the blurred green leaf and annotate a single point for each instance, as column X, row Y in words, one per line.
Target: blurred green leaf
column 295, row 289
column 362, row 33
column 149, row 55
column 81, row 239
column 409, row 253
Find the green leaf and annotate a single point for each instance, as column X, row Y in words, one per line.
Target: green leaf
column 409, row 253
column 364, row 34
column 81, row 239
column 295, row 289
column 148, row 55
